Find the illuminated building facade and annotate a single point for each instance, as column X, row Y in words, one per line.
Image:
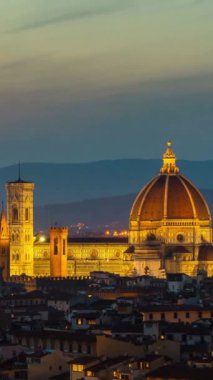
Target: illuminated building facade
column 170, row 224
column 170, row 230
column 20, row 226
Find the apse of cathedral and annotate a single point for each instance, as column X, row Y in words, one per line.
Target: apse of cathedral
column 170, row 231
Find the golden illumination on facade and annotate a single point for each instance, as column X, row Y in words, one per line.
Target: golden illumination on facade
column 20, row 223
column 4, row 245
column 58, row 252
column 170, row 230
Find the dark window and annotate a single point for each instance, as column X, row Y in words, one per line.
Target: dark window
column 187, row 315
column 175, row 315
column 79, row 348
column 21, row 375
column 60, row 367
column 64, row 246
column 88, row 349
column 200, row 314
column 62, row 346
column 150, row 316
column 162, row 316
column 55, row 246
column 26, row 214
column 15, row 215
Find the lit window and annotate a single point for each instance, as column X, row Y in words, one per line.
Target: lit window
column 90, row 374
column 92, row 322
column 77, row 367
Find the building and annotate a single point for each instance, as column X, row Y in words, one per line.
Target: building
column 170, row 231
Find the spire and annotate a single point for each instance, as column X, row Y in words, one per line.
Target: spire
column 169, row 161
column 19, row 171
column 3, row 224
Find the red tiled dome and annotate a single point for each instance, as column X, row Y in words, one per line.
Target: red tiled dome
column 169, row 196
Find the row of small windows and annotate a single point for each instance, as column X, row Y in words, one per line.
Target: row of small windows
column 15, row 257
column 16, row 237
column 15, row 215
column 74, row 347
column 180, row 223
column 175, row 315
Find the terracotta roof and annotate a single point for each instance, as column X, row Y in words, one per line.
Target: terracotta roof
column 169, row 196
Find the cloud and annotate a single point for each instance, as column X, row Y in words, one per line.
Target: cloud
column 72, row 15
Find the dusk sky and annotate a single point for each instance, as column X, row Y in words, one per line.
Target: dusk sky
column 84, row 80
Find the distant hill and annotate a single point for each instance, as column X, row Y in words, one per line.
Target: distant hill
column 97, row 213
column 68, row 183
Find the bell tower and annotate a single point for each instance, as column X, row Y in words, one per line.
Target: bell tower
column 20, row 224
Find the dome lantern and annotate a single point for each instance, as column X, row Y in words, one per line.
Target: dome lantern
column 169, row 161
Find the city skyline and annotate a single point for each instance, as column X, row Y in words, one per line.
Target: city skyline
column 93, row 80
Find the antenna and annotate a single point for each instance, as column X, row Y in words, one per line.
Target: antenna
column 19, row 171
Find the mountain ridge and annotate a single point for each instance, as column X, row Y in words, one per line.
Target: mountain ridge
column 65, row 183
column 98, row 214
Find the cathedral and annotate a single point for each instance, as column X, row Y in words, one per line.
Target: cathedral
column 170, row 231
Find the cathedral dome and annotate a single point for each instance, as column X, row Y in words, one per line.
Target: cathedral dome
column 170, row 209
column 169, row 195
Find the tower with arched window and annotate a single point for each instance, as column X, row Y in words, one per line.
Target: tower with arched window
column 20, row 224
column 58, row 251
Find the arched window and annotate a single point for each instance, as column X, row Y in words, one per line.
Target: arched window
column 27, row 214
column 64, row 246
column 55, row 246
column 15, row 215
